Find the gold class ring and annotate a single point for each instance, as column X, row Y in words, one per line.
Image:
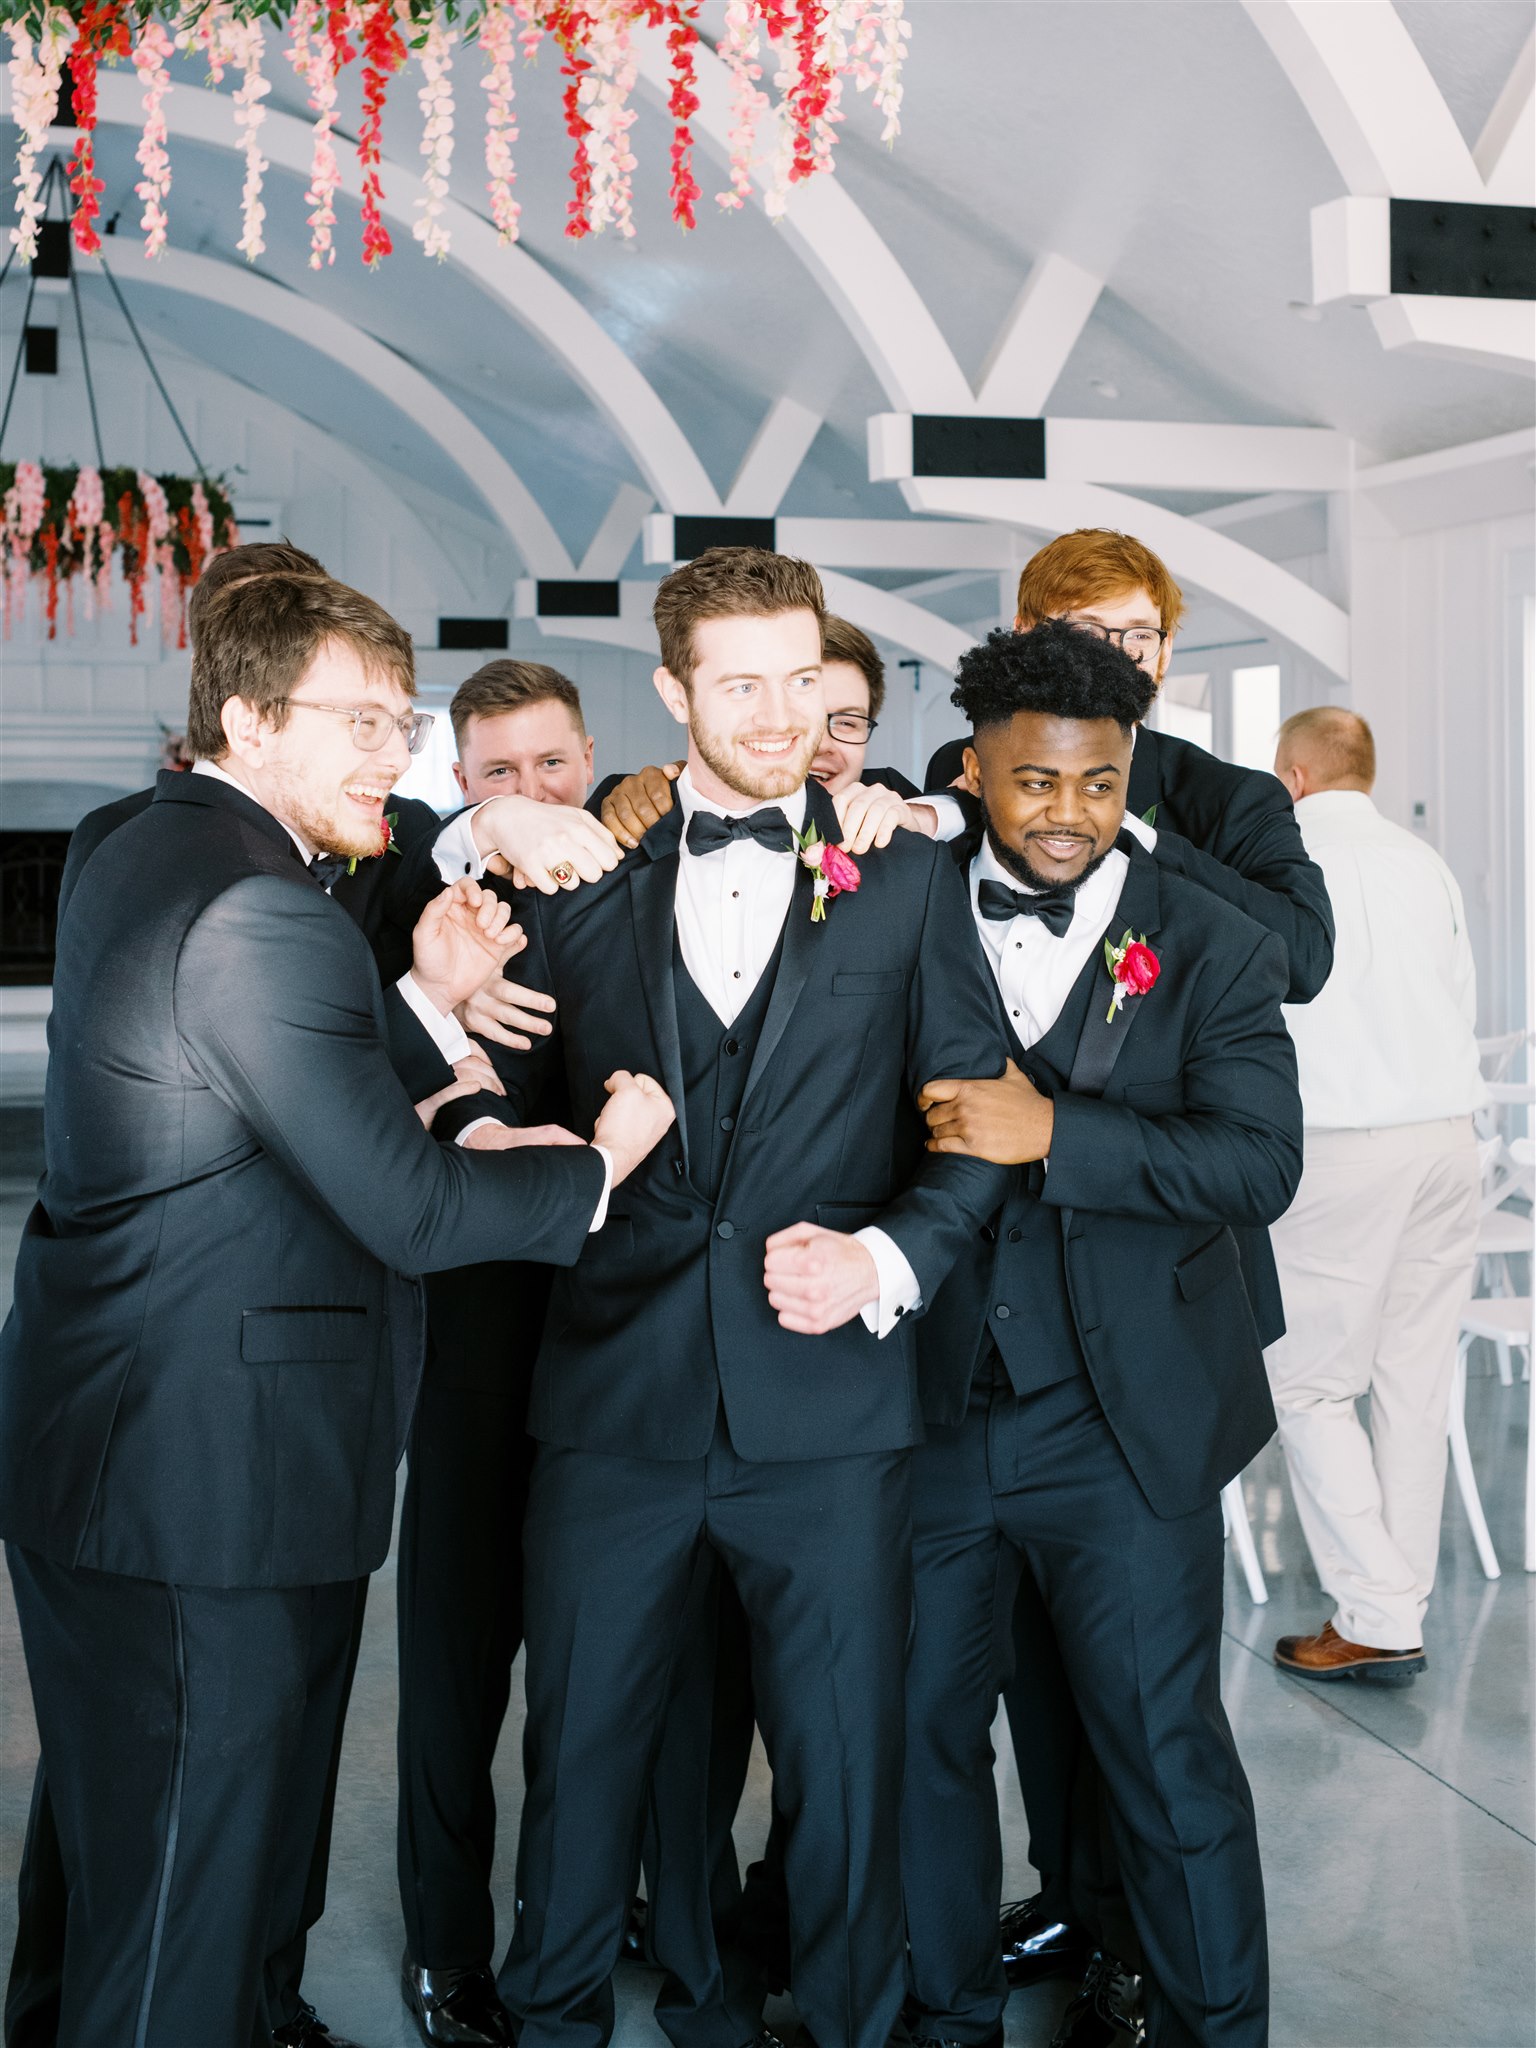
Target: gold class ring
column 562, row 872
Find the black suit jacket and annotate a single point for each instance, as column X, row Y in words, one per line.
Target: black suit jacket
column 210, row 1365
column 887, row 993
column 1182, row 1120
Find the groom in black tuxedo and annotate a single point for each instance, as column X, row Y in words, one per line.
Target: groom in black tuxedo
column 1092, row 1372
column 733, row 1372
column 211, row 1362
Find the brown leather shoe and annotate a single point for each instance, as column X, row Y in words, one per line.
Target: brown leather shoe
column 1328, row 1655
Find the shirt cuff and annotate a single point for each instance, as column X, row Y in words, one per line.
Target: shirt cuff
column 455, row 850
column 948, row 810
column 479, row 1124
column 446, row 1033
column 899, row 1289
column 1140, row 829
column 601, row 1215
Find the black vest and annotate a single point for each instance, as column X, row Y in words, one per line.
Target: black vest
column 716, row 1060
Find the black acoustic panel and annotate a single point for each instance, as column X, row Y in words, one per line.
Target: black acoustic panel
column 692, row 536
column 945, row 446
column 42, row 351
column 464, row 635
column 52, row 258
column 1463, row 252
column 569, row 600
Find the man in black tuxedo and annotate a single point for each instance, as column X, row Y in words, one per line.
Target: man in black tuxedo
column 1234, row 831
column 730, row 1376
column 211, row 1362
column 1092, row 1371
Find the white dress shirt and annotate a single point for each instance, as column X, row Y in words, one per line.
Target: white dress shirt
column 1391, row 1037
column 730, row 907
column 1035, row 969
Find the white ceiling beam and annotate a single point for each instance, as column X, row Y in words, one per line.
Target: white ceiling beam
column 1371, row 97
column 609, row 548
column 1505, row 152
column 1038, row 336
column 936, row 544
column 1490, row 479
column 1281, row 602
column 1498, row 334
column 890, row 616
column 508, row 275
column 258, row 298
column 1168, row 455
column 1271, row 504
column 773, row 461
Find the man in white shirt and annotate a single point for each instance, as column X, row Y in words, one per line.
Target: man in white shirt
column 1376, row 1253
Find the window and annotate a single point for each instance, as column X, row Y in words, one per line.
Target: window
column 1183, row 709
column 1255, row 715
column 430, row 775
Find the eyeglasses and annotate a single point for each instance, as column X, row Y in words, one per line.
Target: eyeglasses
column 1136, row 641
column 370, row 726
column 852, row 726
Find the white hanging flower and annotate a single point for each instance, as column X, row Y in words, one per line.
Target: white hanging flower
column 436, row 102
column 151, row 55
column 35, row 76
column 312, row 54
column 740, row 48
column 229, row 40
column 605, row 102
column 498, row 40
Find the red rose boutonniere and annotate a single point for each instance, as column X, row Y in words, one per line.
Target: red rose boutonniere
column 1133, row 968
column 387, row 844
column 835, row 872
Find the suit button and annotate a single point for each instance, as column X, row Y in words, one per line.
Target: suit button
column 732, row 1047
column 988, row 1234
column 727, row 1123
column 1002, row 1311
column 677, row 1168
column 725, row 1230
column 1014, row 1235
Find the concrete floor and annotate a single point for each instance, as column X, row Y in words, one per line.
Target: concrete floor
column 1397, row 1827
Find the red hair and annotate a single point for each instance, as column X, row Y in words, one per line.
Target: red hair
column 1094, row 566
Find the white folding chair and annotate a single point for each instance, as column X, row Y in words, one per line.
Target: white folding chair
column 1235, row 1523
column 1498, row 1055
column 1461, row 1460
column 1509, row 1175
column 1506, row 1321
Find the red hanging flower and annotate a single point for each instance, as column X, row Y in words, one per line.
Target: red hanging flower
column 103, row 32
column 811, row 94
column 683, row 104
column 384, row 52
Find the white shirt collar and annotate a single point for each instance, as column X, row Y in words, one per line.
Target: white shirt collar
column 793, row 806
column 1094, row 900
column 222, row 775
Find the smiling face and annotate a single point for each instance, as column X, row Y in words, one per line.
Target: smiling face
column 309, row 772
column 754, row 706
column 1054, row 793
column 538, row 750
column 839, row 761
column 1133, row 612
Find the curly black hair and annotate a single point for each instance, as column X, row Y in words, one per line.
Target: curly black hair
column 1055, row 668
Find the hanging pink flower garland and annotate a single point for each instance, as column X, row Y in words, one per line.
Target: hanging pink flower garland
column 817, row 46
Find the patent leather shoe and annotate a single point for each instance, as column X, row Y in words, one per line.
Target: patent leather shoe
column 307, row 2030
column 1036, row 1945
column 458, row 2007
column 1106, row 2011
column 637, row 1928
column 921, row 2039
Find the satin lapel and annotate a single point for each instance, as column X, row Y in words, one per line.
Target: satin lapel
column 653, row 912
column 1102, row 1040
column 1144, row 785
column 797, row 956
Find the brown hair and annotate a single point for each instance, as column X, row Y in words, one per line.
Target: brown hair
column 1336, row 744
column 260, row 638
column 730, row 583
column 1093, row 566
column 509, row 686
column 841, row 640
column 238, row 565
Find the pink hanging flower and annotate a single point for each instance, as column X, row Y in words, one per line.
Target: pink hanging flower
column 604, row 94
column 151, row 55
column 878, row 53
column 498, row 40
column 228, row 40
column 25, row 503
column 318, row 52
column 436, row 102
column 35, row 78
column 740, row 48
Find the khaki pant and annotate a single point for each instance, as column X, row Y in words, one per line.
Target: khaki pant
column 1376, row 1257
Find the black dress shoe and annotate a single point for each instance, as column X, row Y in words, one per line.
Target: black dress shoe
column 921, row 2040
column 307, row 2030
column 456, row 2006
column 637, row 1927
column 1106, row 2012
column 1036, row 1946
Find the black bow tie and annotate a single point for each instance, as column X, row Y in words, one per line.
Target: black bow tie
column 770, row 828
column 1053, row 907
column 328, row 869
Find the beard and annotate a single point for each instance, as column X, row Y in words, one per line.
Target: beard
column 1019, row 864
column 332, row 831
column 748, row 776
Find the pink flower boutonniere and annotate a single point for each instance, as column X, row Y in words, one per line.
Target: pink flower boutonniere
column 835, row 872
column 386, row 841
column 1133, row 968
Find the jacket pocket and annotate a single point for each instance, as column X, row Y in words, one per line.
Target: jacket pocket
column 303, row 1336
column 1155, row 1098
column 1213, row 1262
column 890, row 982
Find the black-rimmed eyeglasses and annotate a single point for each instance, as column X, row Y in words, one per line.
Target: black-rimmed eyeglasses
column 1139, row 642
column 853, row 726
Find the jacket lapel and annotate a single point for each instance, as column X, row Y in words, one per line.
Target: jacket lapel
column 1103, row 1036
column 797, row 956
column 653, row 911
column 1144, row 784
